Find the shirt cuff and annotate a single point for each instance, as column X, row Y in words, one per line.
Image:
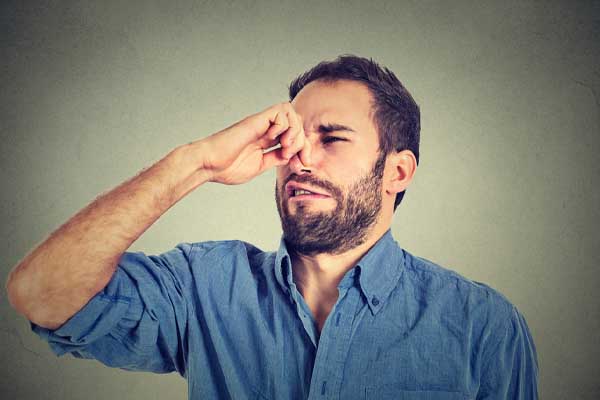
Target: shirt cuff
column 96, row 319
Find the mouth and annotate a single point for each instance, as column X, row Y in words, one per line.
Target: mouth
column 303, row 195
column 297, row 191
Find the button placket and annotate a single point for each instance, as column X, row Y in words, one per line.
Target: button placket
column 375, row 301
column 333, row 349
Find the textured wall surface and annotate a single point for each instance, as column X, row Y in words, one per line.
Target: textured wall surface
column 506, row 191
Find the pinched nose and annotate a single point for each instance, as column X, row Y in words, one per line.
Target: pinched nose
column 297, row 167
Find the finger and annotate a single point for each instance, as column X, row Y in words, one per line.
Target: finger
column 305, row 153
column 298, row 144
column 291, row 140
column 287, row 144
column 270, row 122
column 266, row 143
column 301, row 143
column 278, row 125
column 273, row 158
column 288, row 138
column 285, row 138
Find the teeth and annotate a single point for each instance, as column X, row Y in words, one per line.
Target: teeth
column 299, row 192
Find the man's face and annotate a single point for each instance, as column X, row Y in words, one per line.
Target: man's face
column 346, row 167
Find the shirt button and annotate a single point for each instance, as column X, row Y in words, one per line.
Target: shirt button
column 375, row 301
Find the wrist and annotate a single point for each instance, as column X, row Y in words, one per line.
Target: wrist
column 189, row 161
column 187, row 170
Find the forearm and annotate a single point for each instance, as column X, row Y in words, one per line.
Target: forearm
column 59, row 276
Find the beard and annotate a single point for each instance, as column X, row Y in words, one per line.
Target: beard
column 341, row 229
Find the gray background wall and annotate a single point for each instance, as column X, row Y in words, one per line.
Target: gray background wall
column 506, row 191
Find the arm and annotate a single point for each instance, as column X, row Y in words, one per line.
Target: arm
column 76, row 261
column 510, row 369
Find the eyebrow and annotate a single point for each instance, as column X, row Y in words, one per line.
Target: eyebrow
column 328, row 128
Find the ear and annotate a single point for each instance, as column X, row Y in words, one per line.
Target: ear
column 400, row 168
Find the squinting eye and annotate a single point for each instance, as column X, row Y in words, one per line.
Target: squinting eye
column 330, row 139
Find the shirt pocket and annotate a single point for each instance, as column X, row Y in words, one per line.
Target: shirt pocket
column 395, row 392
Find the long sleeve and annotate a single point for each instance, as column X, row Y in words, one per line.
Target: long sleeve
column 510, row 368
column 138, row 321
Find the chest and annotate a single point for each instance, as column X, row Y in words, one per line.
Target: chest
column 278, row 350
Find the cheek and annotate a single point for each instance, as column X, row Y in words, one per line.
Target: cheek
column 345, row 171
column 279, row 173
column 279, row 176
column 352, row 156
column 278, row 192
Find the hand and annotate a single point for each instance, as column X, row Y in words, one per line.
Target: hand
column 237, row 153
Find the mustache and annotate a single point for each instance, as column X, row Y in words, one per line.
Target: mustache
column 316, row 182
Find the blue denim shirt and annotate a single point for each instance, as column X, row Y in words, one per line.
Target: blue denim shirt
column 229, row 318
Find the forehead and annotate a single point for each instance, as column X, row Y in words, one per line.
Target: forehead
column 343, row 102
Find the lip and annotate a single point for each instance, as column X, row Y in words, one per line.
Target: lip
column 304, row 197
column 292, row 185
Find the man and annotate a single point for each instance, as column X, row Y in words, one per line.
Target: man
column 339, row 311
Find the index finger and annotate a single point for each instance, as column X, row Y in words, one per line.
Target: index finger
column 305, row 152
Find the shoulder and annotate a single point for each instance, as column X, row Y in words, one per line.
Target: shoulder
column 434, row 278
column 493, row 319
column 227, row 252
column 200, row 249
column 496, row 329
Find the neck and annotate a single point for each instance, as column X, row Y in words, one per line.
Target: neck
column 320, row 274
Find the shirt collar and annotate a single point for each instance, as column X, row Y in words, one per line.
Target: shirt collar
column 283, row 267
column 378, row 270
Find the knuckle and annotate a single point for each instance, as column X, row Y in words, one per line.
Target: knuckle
column 289, row 109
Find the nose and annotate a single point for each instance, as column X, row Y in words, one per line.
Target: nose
column 297, row 167
column 296, row 164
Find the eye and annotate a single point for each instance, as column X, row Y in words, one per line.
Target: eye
column 331, row 139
